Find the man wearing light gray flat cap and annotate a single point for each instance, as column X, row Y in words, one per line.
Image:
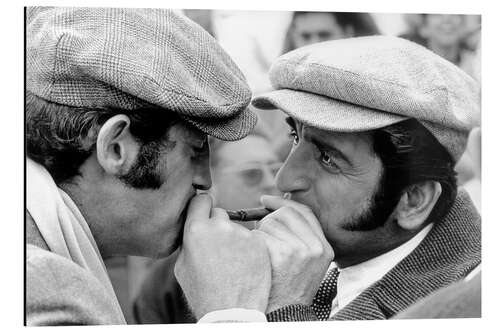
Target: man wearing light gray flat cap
column 119, row 104
column 377, row 125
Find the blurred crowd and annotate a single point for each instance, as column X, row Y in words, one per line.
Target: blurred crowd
column 244, row 170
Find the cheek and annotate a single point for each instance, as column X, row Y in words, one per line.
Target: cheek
column 339, row 199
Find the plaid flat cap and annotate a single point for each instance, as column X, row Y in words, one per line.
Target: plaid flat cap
column 366, row 83
column 131, row 58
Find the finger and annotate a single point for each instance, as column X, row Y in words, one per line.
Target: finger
column 199, row 209
column 274, row 245
column 276, row 202
column 297, row 224
column 279, row 231
column 219, row 214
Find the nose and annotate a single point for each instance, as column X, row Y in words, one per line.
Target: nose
column 293, row 175
column 202, row 179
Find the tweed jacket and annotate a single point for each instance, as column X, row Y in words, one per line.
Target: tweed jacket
column 60, row 292
column 459, row 300
column 449, row 252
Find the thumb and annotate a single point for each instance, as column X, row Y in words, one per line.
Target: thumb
column 198, row 210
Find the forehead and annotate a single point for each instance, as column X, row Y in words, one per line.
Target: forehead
column 353, row 145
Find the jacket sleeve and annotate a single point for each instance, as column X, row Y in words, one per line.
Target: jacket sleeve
column 293, row 312
column 59, row 292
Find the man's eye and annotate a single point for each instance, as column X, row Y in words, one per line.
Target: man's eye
column 327, row 160
column 253, row 177
column 293, row 134
column 199, row 153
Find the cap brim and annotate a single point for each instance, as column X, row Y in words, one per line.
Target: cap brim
column 325, row 113
column 227, row 129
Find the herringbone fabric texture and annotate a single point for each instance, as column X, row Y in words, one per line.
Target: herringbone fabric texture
column 128, row 58
column 365, row 83
column 322, row 302
column 449, row 252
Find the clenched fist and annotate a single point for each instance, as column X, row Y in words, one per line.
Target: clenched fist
column 300, row 254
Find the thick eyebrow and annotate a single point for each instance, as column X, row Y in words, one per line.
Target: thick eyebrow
column 320, row 143
column 291, row 122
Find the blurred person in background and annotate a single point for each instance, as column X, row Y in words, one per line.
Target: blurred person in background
column 446, row 35
column 454, row 37
column 413, row 24
column 203, row 17
column 315, row 27
column 242, row 171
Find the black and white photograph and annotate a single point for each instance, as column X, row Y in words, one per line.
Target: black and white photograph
column 211, row 165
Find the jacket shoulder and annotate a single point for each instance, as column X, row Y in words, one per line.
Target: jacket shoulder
column 59, row 292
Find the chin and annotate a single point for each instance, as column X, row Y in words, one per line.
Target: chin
column 171, row 242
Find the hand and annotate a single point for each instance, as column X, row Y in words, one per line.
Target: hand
column 300, row 254
column 221, row 264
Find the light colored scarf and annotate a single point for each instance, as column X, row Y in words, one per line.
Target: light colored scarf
column 63, row 227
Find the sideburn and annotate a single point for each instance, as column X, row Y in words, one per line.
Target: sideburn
column 145, row 172
column 382, row 204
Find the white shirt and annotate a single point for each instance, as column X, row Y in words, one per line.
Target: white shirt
column 353, row 280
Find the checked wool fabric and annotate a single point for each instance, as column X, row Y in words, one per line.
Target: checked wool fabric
column 132, row 58
column 322, row 302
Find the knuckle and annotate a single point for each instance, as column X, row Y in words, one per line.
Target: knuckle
column 307, row 210
column 329, row 253
column 317, row 251
column 268, row 224
column 287, row 210
column 299, row 251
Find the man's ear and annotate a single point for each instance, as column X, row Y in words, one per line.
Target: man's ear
column 116, row 147
column 416, row 204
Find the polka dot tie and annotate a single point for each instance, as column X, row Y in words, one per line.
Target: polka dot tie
column 322, row 302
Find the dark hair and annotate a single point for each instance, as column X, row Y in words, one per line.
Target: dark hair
column 410, row 154
column 62, row 137
column 363, row 24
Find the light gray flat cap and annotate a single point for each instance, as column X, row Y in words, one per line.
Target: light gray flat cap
column 366, row 83
column 128, row 58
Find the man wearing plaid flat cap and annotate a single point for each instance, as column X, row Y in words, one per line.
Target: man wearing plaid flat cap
column 377, row 125
column 119, row 104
